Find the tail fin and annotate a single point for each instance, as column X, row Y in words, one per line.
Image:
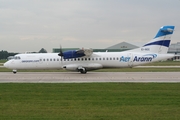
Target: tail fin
column 160, row 43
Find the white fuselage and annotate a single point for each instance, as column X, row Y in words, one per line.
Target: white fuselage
column 154, row 50
column 96, row 61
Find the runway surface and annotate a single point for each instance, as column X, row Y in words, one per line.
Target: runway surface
column 74, row 77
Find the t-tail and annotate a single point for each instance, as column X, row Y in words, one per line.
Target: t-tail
column 160, row 43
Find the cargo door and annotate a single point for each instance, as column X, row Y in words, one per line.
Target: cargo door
column 130, row 63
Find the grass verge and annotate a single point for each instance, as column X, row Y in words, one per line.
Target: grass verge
column 97, row 101
column 164, row 63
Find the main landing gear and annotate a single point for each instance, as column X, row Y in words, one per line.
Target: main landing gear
column 83, row 70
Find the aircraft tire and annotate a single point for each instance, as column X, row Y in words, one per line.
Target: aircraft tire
column 83, row 71
column 14, row 71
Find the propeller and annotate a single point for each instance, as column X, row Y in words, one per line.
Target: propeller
column 60, row 53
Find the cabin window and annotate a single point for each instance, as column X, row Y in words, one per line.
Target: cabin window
column 54, row 59
column 96, row 58
column 92, row 58
column 99, row 58
column 82, row 59
column 110, row 58
column 50, row 59
column 78, row 59
column 106, row 58
column 57, row 59
column 114, row 58
column 40, row 59
column 47, row 59
column 117, row 58
column 103, row 58
column 44, row 59
column 85, row 58
column 74, row 59
column 89, row 58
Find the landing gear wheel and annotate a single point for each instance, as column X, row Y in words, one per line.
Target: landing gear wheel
column 83, row 71
column 14, row 71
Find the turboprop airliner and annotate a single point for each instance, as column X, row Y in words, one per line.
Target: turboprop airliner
column 84, row 60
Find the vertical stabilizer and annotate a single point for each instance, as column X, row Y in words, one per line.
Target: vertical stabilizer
column 160, row 43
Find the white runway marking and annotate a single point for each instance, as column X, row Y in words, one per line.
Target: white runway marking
column 73, row 77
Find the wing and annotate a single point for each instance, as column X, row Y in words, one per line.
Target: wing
column 86, row 52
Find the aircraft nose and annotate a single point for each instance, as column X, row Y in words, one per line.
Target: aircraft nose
column 6, row 64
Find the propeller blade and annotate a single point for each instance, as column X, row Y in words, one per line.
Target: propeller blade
column 61, row 53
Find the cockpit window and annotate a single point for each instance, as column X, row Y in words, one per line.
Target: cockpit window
column 17, row 58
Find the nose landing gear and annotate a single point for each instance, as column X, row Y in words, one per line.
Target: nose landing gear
column 14, row 71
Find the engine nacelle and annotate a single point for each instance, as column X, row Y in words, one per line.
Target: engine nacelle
column 77, row 53
column 72, row 54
